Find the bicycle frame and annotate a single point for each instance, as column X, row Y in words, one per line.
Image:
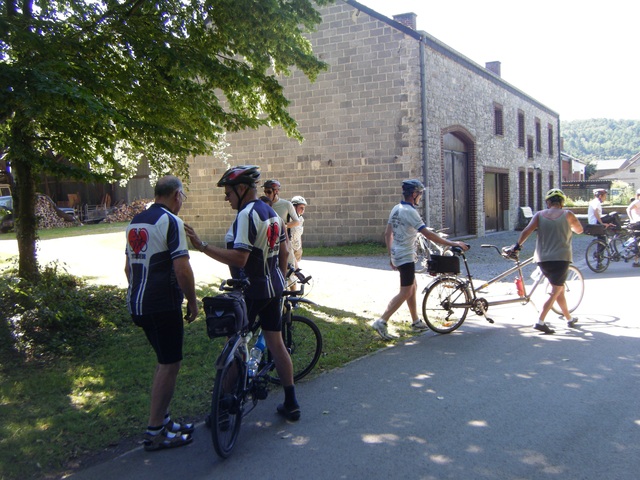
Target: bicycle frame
column 480, row 305
column 516, row 268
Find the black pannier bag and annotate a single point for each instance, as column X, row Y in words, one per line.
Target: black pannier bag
column 443, row 264
column 225, row 314
column 596, row 230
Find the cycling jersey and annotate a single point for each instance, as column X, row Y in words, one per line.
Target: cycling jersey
column 155, row 238
column 406, row 223
column 258, row 229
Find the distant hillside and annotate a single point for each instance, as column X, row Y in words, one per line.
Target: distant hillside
column 601, row 138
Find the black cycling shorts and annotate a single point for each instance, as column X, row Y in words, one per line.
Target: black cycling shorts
column 270, row 311
column 165, row 332
column 556, row 271
column 407, row 274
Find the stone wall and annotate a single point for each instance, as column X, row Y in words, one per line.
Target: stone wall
column 362, row 125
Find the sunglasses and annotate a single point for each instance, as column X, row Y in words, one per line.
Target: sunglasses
column 269, row 191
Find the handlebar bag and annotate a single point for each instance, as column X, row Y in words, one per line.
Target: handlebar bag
column 225, row 314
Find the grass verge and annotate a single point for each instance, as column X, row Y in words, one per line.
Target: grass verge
column 63, row 412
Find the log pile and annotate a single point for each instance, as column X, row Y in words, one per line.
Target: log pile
column 125, row 212
column 49, row 216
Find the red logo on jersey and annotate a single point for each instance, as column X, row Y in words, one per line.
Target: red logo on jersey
column 273, row 233
column 138, row 238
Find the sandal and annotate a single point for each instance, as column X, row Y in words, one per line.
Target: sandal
column 165, row 439
column 174, row 427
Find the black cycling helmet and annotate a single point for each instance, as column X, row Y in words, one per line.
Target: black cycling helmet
column 410, row 186
column 241, row 174
column 271, row 184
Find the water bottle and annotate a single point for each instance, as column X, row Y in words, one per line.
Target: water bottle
column 255, row 355
column 519, row 286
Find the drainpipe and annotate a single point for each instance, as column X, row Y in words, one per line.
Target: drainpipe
column 558, row 141
column 423, row 103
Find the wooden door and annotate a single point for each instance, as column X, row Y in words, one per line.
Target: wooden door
column 456, row 193
column 491, row 202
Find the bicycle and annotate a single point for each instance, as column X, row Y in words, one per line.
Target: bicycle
column 235, row 392
column 425, row 248
column 616, row 246
column 448, row 298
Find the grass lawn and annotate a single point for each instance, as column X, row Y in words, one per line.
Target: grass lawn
column 60, row 412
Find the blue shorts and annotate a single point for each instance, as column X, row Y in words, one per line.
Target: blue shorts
column 270, row 311
column 165, row 332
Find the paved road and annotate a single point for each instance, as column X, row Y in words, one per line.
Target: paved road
column 486, row 402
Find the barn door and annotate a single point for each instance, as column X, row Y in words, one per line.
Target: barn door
column 456, row 193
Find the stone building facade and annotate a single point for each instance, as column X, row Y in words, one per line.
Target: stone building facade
column 394, row 104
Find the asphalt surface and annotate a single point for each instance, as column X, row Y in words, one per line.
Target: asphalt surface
column 497, row 401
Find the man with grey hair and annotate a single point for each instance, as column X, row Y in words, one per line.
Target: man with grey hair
column 160, row 276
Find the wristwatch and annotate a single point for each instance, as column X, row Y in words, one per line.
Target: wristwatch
column 203, row 245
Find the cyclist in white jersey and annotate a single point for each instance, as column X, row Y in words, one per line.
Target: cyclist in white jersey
column 400, row 236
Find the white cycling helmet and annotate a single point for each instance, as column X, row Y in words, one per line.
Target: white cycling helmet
column 638, row 192
column 298, row 200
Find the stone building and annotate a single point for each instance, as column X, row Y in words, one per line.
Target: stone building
column 395, row 103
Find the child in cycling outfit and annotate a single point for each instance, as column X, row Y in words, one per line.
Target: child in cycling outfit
column 400, row 236
column 553, row 252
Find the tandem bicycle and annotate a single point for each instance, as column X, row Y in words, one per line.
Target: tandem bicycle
column 448, row 298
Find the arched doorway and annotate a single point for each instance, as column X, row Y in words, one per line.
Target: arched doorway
column 456, row 186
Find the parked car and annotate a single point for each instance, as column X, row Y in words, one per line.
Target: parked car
column 6, row 219
column 6, row 200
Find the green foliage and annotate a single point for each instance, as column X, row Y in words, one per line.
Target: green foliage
column 601, row 139
column 621, row 193
column 89, row 88
column 58, row 315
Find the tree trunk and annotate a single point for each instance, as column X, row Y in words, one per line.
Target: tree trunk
column 26, row 223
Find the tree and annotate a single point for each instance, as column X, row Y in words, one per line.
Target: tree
column 88, row 87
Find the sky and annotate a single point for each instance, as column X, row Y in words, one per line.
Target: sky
column 579, row 58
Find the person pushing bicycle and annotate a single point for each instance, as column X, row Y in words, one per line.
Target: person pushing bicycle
column 257, row 249
column 400, row 236
column 553, row 252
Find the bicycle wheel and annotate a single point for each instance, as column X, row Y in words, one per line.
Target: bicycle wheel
column 617, row 244
column 226, row 406
column 597, row 256
column 304, row 341
column 573, row 290
column 422, row 253
column 438, row 306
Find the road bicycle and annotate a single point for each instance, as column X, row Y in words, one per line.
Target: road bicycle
column 610, row 245
column 235, row 391
column 448, row 298
column 425, row 248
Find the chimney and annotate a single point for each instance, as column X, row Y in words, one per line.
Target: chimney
column 493, row 67
column 407, row 19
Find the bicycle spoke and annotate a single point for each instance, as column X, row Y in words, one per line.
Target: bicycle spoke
column 438, row 305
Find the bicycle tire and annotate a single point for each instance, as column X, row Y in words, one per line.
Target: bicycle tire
column 226, row 406
column 436, row 310
column 422, row 254
column 303, row 340
column 617, row 244
column 573, row 290
column 597, row 256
